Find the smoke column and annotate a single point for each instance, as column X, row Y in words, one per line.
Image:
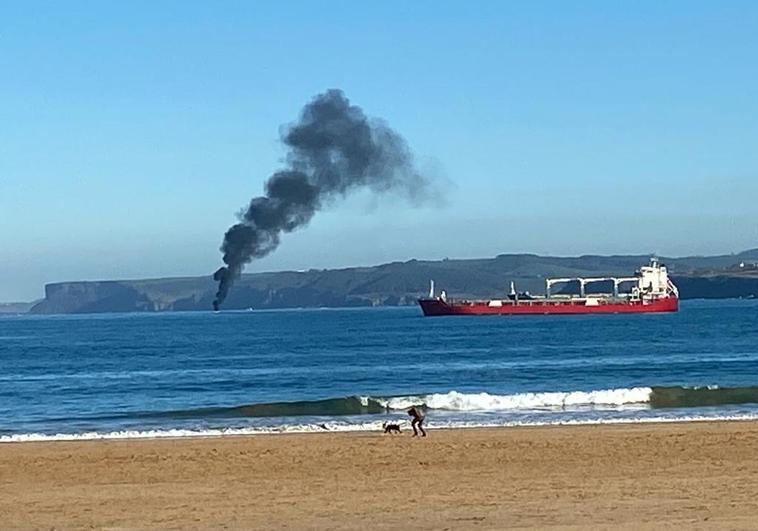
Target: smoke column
column 333, row 149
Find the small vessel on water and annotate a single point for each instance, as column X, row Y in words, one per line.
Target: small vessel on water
column 652, row 292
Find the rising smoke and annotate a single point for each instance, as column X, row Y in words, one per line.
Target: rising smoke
column 333, row 149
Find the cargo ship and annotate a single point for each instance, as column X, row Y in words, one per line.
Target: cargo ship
column 652, row 291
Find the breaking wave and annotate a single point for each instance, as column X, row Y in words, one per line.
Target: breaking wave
column 447, row 410
column 652, row 397
column 455, row 401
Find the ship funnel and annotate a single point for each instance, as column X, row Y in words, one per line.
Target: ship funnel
column 513, row 288
column 431, row 289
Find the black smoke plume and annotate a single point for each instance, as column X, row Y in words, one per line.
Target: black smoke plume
column 333, row 149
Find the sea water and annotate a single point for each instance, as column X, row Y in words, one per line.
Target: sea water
column 204, row 373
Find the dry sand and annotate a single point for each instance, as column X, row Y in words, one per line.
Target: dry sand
column 694, row 475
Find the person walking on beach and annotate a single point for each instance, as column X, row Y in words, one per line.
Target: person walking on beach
column 417, row 419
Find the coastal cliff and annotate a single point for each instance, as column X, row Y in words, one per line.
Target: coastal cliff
column 392, row 284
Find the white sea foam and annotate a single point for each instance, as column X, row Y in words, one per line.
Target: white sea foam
column 179, row 433
column 358, row 427
column 455, row 401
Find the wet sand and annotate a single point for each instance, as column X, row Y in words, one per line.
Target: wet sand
column 690, row 475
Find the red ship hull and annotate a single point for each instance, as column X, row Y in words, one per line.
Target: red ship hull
column 437, row 306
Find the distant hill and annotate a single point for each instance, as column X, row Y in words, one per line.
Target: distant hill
column 396, row 283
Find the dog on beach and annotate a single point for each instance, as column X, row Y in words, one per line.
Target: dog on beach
column 391, row 427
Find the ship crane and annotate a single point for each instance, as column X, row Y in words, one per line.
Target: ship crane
column 584, row 281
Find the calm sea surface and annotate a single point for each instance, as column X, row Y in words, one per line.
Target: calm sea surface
column 193, row 373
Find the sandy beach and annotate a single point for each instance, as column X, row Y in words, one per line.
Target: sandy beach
column 692, row 475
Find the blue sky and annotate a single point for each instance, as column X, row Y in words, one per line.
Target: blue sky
column 131, row 133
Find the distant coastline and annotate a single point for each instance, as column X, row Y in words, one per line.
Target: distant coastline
column 391, row 284
column 16, row 307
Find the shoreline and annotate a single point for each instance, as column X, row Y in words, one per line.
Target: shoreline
column 652, row 475
column 317, row 429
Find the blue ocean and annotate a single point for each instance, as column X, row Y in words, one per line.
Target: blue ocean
column 189, row 374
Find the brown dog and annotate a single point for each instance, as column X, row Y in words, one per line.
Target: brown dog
column 391, row 427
